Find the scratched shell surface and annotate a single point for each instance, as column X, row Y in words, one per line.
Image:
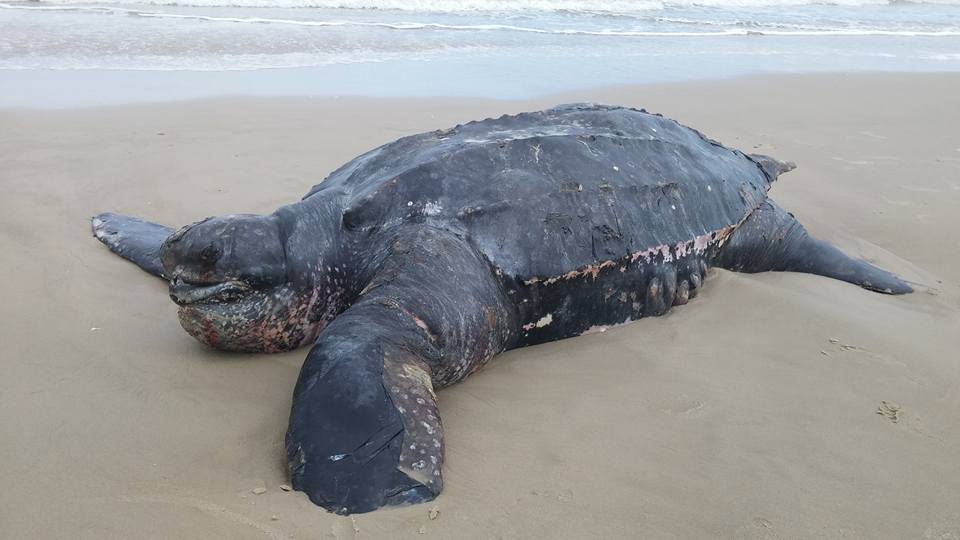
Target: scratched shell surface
column 543, row 194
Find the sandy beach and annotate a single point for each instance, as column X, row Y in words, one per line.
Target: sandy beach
column 774, row 405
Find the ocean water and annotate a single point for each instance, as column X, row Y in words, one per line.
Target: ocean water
column 63, row 51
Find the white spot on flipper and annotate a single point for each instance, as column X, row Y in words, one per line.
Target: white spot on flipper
column 544, row 321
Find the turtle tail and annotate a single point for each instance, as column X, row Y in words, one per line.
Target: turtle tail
column 772, row 168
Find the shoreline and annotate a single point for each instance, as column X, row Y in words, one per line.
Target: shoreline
column 546, row 97
column 736, row 415
column 69, row 89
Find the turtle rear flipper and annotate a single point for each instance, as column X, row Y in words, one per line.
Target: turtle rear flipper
column 771, row 239
column 134, row 239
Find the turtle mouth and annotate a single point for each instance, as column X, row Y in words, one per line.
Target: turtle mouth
column 184, row 293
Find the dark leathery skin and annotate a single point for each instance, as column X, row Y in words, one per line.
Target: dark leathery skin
column 364, row 428
column 544, row 193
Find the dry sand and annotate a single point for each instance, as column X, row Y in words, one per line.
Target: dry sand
column 736, row 416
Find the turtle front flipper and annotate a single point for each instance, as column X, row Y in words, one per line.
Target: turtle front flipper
column 364, row 429
column 771, row 239
column 134, row 239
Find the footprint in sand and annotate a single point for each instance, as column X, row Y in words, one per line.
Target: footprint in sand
column 762, row 523
column 890, row 411
column 685, row 406
column 838, row 347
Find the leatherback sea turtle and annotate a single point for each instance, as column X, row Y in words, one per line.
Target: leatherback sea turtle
column 414, row 264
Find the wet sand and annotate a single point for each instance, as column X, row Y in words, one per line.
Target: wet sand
column 772, row 406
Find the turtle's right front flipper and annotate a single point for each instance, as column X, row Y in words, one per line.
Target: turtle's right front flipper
column 364, row 428
column 771, row 239
column 134, row 239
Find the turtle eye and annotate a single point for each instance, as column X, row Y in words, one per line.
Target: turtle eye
column 210, row 254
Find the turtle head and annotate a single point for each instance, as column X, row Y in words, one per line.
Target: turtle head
column 229, row 277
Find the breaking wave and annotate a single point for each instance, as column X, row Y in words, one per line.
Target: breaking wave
column 504, row 6
column 739, row 28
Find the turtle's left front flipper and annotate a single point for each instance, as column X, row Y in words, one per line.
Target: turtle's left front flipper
column 364, row 429
column 134, row 239
column 771, row 239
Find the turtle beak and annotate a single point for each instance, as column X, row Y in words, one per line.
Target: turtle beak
column 184, row 293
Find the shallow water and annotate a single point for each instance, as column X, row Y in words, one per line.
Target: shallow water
column 493, row 48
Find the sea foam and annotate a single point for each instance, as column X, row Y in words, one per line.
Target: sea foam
column 504, row 6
